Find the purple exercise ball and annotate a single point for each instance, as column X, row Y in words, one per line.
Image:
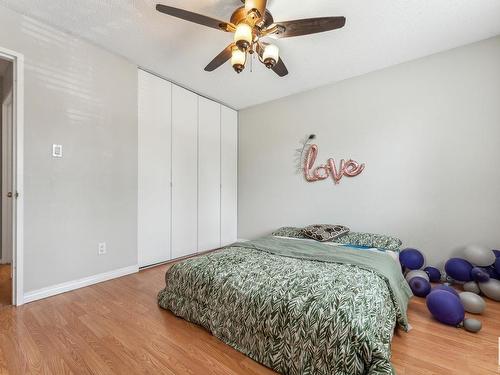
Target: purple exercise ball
column 492, row 272
column 479, row 275
column 445, row 307
column 433, row 273
column 420, row 286
column 497, row 264
column 444, row 288
column 459, row 269
column 411, row 258
column 497, row 253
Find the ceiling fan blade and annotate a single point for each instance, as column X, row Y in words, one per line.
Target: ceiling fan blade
column 280, row 68
column 221, row 58
column 308, row 26
column 195, row 18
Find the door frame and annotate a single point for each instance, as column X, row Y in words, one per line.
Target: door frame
column 7, row 118
column 17, row 60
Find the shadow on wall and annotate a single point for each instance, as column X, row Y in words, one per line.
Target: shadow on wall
column 73, row 76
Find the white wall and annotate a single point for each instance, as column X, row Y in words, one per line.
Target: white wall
column 84, row 98
column 428, row 131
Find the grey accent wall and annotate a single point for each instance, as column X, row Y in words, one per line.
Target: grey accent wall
column 428, row 131
column 84, row 98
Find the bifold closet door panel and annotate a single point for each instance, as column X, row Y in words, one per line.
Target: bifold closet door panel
column 154, row 167
column 229, row 175
column 184, row 172
column 209, row 183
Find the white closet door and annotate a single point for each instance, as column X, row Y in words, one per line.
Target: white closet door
column 184, row 172
column 229, row 175
column 209, row 177
column 154, row 136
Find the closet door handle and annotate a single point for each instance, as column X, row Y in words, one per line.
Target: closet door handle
column 9, row 194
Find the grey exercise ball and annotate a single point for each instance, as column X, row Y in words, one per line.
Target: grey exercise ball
column 472, row 325
column 413, row 273
column 491, row 289
column 479, row 255
column 472, row 302
column 472, row 287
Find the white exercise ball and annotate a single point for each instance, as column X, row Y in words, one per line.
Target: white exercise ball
column 414, row 273
column 479, row 255
column 491, row 289
column 472, row 325
column 472, row 303
column 472, row 287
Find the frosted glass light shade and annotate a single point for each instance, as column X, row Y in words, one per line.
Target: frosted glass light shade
column 271, row 55
column 238, row 59
column 243, row 36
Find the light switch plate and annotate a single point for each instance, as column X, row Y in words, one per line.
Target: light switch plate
column 101, row 248
column 57, row 151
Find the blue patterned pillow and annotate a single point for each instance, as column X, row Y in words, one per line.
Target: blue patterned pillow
column 293, row 232
column 325, row 232
column 379, row 241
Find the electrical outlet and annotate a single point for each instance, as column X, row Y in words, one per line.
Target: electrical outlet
column 101, row 248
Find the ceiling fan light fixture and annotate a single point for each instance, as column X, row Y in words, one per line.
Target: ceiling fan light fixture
column 243, row 36
column 238, row 59
column 271, row 55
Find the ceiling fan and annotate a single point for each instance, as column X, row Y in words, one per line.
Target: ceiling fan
column 250, row 23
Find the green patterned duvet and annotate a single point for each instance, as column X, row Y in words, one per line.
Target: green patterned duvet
column 296, row 306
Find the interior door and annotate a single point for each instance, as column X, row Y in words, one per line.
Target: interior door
column 184, row 172
column 209, row 183
column 8, row 194
column 155, row 128
column 229, row 175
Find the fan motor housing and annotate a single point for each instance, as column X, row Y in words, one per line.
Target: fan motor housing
column 240, row 15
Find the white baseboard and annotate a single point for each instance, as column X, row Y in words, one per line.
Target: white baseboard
column 79, row 283
column 242, row 240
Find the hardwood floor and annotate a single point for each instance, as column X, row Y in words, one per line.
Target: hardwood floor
column 116, row 327
column 5, row 285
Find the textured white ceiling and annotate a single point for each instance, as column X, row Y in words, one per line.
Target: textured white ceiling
column 377, row 34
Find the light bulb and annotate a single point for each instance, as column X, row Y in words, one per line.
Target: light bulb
column 271, row 55
column 243, row 36
column 238, row 59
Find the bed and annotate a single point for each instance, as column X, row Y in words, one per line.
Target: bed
column 297, row 306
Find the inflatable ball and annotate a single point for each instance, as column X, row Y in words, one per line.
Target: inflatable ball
column 446, row 288
column 491, row 271
column 472, row 287
column 420, row 286
column 472, row 325
column 497, row 264
column 491, row 289
column 416, row 273
column 479, row 275
column 445, row 307
column 472, row 303
column 433, row 273
column 479, row 255
column 458, row 269
column 411, row 259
